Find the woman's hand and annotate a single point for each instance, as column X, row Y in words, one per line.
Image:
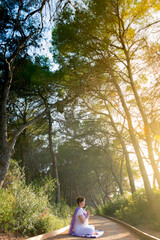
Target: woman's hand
column 88, row 213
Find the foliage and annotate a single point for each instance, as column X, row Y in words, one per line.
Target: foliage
column 138, row 209
column 45, row 185
column 99, row 210
column 78, row 165
column 102, row 52
column 32, row 84
column 26, row 211
column 111, row 207
column 134, row 209
column 21, row 25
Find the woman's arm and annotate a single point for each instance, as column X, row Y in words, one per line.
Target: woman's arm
column 82, row 218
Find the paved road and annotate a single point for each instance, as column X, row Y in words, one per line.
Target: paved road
column 112, row 231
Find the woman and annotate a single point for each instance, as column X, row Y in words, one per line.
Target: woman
column 80, row 221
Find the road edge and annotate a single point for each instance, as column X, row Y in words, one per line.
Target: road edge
column 50, row 234
column 137, row 231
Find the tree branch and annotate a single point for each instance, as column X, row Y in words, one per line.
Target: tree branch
column 37, row 10
column 39, row 116
column 149, row 25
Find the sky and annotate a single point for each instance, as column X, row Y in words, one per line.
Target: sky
column 45, row 49
column 45, row 40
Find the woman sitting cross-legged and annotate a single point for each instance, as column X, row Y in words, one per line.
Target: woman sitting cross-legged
column 79, row 224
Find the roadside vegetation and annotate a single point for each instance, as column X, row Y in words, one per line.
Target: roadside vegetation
column 29, row 209
column 135, row 210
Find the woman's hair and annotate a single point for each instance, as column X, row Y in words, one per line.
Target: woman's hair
column 79, row 200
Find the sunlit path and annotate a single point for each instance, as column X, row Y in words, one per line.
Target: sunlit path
column 111, row 229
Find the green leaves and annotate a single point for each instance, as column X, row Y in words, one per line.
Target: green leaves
column 26, row 209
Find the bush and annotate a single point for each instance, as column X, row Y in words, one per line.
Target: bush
column 99, row 210
column 137, row 210
column 110, row 208
column 6, row 209
column 47, row 186
column 134, row 209
column 26, row 211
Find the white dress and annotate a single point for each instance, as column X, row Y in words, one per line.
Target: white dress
column 82, row 228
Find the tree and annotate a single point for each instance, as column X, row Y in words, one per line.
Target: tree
column 80, row 174
column 128, row 45
column 104, row 43
column 37, row 86
column 101, row 100
column 51, row 147
column 104, row 170
column 21, row 27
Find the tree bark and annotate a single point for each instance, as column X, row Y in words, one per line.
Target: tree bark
column 5, row 153
column 54, row 159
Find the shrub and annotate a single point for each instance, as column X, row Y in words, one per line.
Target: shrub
column 137, row 211
column 111, row 207
column 134, row 209
column 47, row 186
column 6, row 209
column 26, row 210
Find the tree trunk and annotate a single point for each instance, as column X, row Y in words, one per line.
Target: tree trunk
column 6, row 149
column 128, row 165
column 146, row 181
column 102, row 192
column 94, row 196
column 92, row 200
column 76, row 190
column 70, row 193
column 119, row 183
column 129, row 169
column 5, row 152
column 54, row 159
column 147, row 129
column 154, row 181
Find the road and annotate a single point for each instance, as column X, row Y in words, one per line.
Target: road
column 112, row 231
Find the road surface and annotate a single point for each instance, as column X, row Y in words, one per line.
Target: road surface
column 112, row 231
